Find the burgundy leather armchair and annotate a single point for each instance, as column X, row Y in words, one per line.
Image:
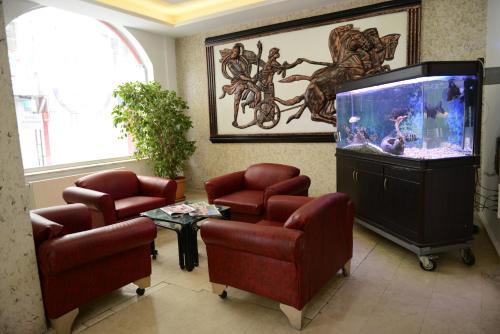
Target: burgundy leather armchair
column 246, row 192
column 78, row 264
column 118, row 195
column 289, row 256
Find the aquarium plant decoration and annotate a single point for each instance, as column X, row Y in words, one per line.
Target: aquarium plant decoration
column 157, row 122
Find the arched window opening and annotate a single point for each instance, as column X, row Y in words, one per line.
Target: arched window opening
column 64, row 67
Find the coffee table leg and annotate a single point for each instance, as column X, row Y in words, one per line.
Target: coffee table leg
column 180, row 246
column 154, row 252
column 194, row 236
column 189, row 256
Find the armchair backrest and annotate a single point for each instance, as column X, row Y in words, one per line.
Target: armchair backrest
column 117, row 183
column 260, row 176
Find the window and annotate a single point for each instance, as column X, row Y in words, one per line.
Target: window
column 64, row 68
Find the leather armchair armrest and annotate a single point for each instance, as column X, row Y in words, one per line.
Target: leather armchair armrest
column 73, row 250
column 223, row 185
column 293, row 186
column 269, row 241
column 337, row 207
column 158, row 187
column 93, row 199
column 74, row 217
column 281, row 207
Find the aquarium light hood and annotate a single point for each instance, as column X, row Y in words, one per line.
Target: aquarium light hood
column 419, row 72
column 401, row 83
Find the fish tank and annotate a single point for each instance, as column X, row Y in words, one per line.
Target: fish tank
column 426, row 111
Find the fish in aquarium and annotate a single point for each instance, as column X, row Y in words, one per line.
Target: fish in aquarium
column 453, row 92
column 354, row 119
column 435, row 112
column 358, row 135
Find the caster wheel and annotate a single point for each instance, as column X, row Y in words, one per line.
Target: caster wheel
column 468, row 257
column 140, row 291
column 223, row 295
column 475, row 229
column 427, row 264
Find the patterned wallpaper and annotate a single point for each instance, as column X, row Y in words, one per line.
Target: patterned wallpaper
column 21, row 308
column 451, row 30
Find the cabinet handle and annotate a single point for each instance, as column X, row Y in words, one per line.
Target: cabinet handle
column 354, row 175
column 357, row 177
column 385, row 183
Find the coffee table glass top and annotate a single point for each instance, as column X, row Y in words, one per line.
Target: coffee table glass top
column 164, row 219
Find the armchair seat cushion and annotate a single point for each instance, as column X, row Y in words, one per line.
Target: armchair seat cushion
column 130, row 206
column 244, row 201
column 246, row 192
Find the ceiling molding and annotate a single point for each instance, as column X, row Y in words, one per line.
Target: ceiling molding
column 248, row 11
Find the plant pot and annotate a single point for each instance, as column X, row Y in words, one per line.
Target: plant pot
column 181, row 188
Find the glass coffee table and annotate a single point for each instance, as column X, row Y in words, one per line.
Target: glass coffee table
column 186, row 227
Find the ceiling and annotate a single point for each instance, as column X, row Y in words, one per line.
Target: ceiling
column 179, row 18
column 178, row 12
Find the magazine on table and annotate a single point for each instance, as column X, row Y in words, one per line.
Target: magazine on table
column 203, row 209
column 177, row 209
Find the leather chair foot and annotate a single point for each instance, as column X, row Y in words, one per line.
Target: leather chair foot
column 294, row 316
column 143, row 283
column 62, row 324
column 219, row 289
column 346, row 269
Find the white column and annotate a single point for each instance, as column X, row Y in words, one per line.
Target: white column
column 21, row 307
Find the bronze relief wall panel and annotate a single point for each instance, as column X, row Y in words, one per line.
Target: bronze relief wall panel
column 277, row 83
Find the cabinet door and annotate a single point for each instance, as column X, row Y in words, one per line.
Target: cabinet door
column 369, row 196
column 402, row 205
column 346, row 177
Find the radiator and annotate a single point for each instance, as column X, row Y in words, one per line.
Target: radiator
column 48, row 192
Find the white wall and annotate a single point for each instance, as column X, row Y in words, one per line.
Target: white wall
column 161, row 51
column 14, row 8
column 491, row 123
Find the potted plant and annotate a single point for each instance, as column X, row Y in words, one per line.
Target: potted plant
column 158, row 124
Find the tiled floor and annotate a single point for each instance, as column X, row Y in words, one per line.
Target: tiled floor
column 386, row 293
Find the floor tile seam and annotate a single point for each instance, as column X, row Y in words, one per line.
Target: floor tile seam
column 365, row 257
column 329, row 299
column 104, row 318
column 127, row 300
column 433, row 288
column 379, row 297
column 185, row 288
column 483, row 282
column 241, row 301
column 154, row 288
column 79, row 329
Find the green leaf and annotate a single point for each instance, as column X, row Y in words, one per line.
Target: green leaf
column 157, row 123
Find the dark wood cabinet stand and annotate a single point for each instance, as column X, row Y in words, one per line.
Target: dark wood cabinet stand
column 425, row 206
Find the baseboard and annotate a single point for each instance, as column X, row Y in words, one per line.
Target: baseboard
column 492, row 227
